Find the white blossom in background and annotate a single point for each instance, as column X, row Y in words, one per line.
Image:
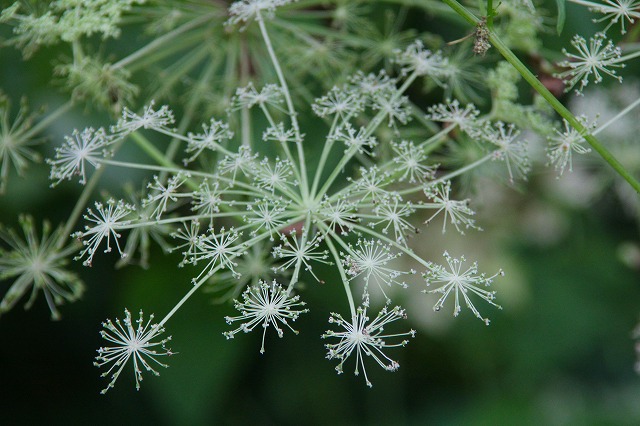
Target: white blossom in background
column 39, row 265
column 510, row 149
column 564, row 144
column 244, row 11
column 157, row 119
column 614, row 11
column 422, row 60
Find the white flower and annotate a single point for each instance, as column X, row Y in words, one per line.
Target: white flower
column 247, row 10
column 415, row 58
column 460, row 283
column 303, row 252
column 265, row 305
column 161, row 194
column 614, row 11
column 340, row 214
column 83, row 147
column 340, row 101
column 214, row 134
column 365, row 339
column 395, row 108
column 106, row 222
column 150, row 119
column 243, row 162
column 131, row 342
column 370, row 260
column 511, row 150
column 248, row 97
column 450, row 112
column 274, row 175
column 456, row 211
column 392, row 214
column 358, row 141
column 564, row 144
column 37, row 264
column 207, row 199
column 594, row 60
column 266, row 215
column 219, row 249
column 370, row 186
column 371, row 85
column 409, row 160
column 277, row 133
column 189, row 234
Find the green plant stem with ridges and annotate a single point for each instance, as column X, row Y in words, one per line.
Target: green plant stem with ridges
column 547, row 95
column 302, row 171
column 343, row 275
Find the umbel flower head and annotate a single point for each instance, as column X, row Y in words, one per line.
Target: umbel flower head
column 563, row 144
column 137, row 343
column 614, row 11
column 350, row 203
column 265, row 304
column 365, row 339
column 600, row 57
column 38, row 264
column 460, row 283
column 15, row 140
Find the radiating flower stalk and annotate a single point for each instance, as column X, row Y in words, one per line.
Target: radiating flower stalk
column 258, row 214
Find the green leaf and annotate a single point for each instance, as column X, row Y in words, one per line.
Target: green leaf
column 561, row 16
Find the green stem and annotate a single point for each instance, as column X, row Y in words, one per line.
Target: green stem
column 490, row 13
column 627, row 57
column 618, row 116
column 323, row 157
column 343, row 276
column 159, row 42
column 292, row 112
column 548, row 96
column 204, row 279
column 46, row 121
column 79, row 207
column 303, row 242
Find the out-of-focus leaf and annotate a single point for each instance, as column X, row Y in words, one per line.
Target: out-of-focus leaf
column 561, row 16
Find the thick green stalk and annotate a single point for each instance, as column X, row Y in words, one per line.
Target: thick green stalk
column 547, row 95
column 490, row 13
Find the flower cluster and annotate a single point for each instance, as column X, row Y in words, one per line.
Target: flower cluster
column 461, row 283
column 599, row 57
column 38, row 264
column 260, row 206
column 249, row 200
column 366, row 339
column 265, row 305
column 131, row 342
